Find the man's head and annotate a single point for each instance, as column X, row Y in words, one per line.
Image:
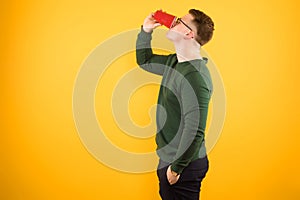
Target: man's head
column 195, row 25
column 204, row 25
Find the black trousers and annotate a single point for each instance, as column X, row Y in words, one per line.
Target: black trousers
column 189, row 183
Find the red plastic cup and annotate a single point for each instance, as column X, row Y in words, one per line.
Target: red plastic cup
column 164, row 18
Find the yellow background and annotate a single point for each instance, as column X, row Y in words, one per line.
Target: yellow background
column 43, row 44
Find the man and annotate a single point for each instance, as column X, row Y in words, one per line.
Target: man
column 183, row 101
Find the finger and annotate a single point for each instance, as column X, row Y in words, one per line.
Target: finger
column 151, row 16
column 156, row 25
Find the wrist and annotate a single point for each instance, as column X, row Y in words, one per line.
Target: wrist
column 147, row 30
column 173, row 172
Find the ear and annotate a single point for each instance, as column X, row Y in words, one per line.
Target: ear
column 189, row 35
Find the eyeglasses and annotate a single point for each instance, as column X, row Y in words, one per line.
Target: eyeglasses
column 179, row 20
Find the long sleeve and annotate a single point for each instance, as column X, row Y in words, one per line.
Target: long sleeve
column 195, row 96
column 144, row 56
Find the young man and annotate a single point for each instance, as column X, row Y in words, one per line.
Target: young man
column 183, row 101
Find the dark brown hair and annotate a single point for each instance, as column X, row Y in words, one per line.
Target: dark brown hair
column 204, row 24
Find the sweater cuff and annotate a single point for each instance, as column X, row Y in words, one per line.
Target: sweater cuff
column 176, row 169
column 144, row 35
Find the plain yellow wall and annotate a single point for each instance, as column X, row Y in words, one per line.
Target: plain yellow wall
column 44, row 43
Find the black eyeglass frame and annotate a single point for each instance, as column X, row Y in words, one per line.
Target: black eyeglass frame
column 180, row 20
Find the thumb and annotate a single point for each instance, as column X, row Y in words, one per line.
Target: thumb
column 156, row 25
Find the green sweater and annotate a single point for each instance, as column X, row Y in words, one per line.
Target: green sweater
column 183, row 101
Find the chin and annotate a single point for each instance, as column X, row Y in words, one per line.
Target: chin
column 169, row 35
column 173, row 35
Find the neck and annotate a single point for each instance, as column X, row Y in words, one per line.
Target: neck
column 187, row 50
